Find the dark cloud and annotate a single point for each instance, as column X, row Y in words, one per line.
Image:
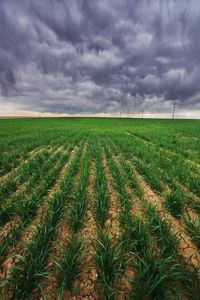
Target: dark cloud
column 100, row 56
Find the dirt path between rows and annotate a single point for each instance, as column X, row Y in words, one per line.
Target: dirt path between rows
column 187, row 248
column 86, row 282
column 112, row 224
column 22, row 162
column 9, row 263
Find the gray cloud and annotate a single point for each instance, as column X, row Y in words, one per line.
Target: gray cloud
column 100, row 56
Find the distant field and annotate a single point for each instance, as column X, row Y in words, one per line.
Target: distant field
column 99, row 208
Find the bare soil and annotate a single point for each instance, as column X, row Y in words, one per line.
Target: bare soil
column 112, row 224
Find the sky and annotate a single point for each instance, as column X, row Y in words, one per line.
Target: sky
column 84, row 57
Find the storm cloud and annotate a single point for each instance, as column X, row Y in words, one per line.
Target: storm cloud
column 83, row 56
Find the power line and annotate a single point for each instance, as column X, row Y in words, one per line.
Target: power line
column 174, row 109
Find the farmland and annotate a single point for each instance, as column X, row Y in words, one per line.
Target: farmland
column 99, row 209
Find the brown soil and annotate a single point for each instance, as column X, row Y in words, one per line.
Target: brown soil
column 137, row 209
column 187, row 248
column 112, row 224
column 113, row 221
column 136, row 206
column 86, row 283
column 48, row 286
column 191, row 214
column 5, row 231
column 31, row 154
column 22, row 187
column 77, row 177
column 29, row 231
column 43, row 209
column 178, row 184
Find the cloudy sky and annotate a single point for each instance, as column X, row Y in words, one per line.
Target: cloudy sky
column 94, row 57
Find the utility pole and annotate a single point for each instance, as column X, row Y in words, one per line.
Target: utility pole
column 174, row 109
column 142, row 113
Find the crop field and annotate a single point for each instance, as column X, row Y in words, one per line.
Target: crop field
column 97, row 208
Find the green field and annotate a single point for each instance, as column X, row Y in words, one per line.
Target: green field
column 95, row 208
